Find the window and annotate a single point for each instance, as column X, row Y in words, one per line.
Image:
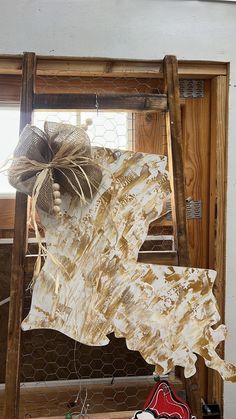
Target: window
column 9, row 129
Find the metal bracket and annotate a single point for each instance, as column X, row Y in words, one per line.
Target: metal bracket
column 191, row 88
column 193, row 209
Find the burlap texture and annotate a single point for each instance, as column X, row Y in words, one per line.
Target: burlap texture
column 64, row 152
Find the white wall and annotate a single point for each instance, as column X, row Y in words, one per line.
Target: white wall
column 142, row 29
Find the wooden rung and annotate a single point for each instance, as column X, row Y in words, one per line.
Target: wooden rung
column 159, row 258
column 108, row 415
column 91, row 101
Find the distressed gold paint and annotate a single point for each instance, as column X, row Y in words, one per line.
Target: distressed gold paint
column 164, row 312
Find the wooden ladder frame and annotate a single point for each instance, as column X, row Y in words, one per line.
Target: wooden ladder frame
column 30, row 101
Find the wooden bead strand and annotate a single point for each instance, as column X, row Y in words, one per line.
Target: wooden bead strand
column 56, row 199
column 87, row 123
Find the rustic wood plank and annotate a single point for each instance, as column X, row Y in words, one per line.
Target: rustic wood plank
column 196, row 152
column 96, row 67
column 64, row 66
column 201, row 69
column 150, row 133
column 175, row 153
column 217, row 224
column 17, row 273
column 123, row 68
column 159, row 258
column 10, row 64
column 138, row 102
column 10, row 87
column 7, row 211
column 172, row 184
column 52, row 398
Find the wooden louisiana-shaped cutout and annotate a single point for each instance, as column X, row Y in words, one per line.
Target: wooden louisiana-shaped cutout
column 96, row 286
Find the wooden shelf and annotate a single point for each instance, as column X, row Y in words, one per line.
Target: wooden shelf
column 41, row 399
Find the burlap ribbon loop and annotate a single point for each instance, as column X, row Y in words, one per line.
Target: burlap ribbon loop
column 61, row 154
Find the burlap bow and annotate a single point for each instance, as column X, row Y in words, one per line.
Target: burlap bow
column 61, row 154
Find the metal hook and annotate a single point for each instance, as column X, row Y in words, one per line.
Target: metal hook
column 96, row 103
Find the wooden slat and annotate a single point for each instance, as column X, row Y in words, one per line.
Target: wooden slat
column 139, row 102
column 7, row 211
column 175, row 153
column 201, row 69
column 196, row 152
column 10, row 87
column 64, row 66
column 124, row 68
column 159, row 258
column 17, row 273
column 217, row 224
column 11, row 64
column 52, row 398
column 98, row 67
column 150, row 133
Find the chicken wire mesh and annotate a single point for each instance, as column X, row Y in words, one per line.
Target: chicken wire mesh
column 97, row 84
column 58, row 375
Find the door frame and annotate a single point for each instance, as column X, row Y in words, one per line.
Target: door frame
column 218, row 73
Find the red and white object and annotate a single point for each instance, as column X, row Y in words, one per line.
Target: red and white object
column 163, row 403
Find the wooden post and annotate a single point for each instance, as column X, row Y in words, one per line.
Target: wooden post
column 18, row 256
column 175, row 148
column 171, row 83
column 217, row 229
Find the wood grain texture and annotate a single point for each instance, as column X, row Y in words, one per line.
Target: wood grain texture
column 7, row 211
column 49, row 399
column 5, row 268
column 19, row 248
column 10, row 87
column 84, row 101
column 175, row 153
column 217, row 226
column 167, row 258
column 196, row 154
column 71, row 66
column 150, row 133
